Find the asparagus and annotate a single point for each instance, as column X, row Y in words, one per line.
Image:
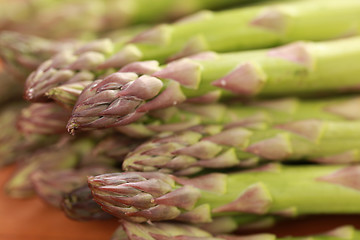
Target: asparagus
column 63, row 155
column 14, row 145
column 251, row 114
column 79, row 205
column 154, row 196
column 216, row 147
column 255, row 27
column 230, row 224
column 23, row 53
column 42, row 118
column 52, row 185
column 96, row 16
column 122, row 98
column 132, row 231
column 257, row 114
column 168, row 230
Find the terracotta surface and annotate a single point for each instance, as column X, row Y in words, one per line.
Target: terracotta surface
column 31, row 219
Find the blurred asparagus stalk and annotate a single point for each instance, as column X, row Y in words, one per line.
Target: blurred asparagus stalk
column 122, row 98
column 63, row 155
column 217, row 147
column 82, row 18
column 168, row 230
column 231, row 224
column 255, row 27
column 153, row 196
column 16, row 146
column 22, row 53
column 79, row 205
column 43, row 118
column 52, row 185
column 109, row 151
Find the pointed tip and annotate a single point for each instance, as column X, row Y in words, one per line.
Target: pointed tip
column 297, row 52
column 158, row 35
column 349, row 109
column 346, row 177
column 71, row 128
column 195, row 45
column 254, row 199
column 170, row 96
column 276, row 148
column 247, row 79
column 311, row 129
column 144, row 67
column 271, row 19
column 128, row 54
column 185, row 71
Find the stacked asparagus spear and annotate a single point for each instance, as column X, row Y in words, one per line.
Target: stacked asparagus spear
column 221, row 120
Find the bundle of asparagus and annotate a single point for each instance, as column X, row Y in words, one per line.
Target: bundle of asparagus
column 255, row 27
column 222, row 120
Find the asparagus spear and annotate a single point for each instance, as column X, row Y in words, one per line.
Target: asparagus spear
column 96, row 16
column 249, row 114
column 16, row 146
column 23, row 53
column 119, row 99
column 52, row 185
column 79, row 205
column 237, row 29
column 230, row 224
column 273, row 189
column 63, row 155
column 132, row 231
column 218, row 147
column 43, row 118
column 168, row 230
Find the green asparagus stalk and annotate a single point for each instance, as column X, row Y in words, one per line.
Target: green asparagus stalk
column 230, row 224
column 255, row 27
column 82, row 18
column 254, row 114
column 52, row 185
column 217, row 147
column 63, row 155
column 273, row 189
column 169, row 230
column 43, row 118
column 122, row 98
column 79, row 205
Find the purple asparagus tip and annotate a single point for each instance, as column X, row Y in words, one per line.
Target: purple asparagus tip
column 113, row 101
